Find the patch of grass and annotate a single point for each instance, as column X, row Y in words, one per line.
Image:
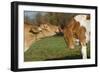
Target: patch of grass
column 52, row 48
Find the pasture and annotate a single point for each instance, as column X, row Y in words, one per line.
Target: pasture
column 53, row 48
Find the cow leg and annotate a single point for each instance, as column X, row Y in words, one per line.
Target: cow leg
column 68, row 36
column 84, row 51
column 82, row 38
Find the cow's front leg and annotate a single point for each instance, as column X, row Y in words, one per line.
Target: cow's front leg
column 68, row 36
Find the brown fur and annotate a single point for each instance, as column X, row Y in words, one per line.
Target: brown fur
column 74, row 30
column 32, row 33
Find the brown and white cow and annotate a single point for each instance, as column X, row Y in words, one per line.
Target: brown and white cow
column 78, row 28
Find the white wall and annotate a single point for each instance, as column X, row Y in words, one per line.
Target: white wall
column 5, row 17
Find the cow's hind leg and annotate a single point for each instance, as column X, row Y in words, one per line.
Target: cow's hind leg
column 84, row 51
column 82, row 39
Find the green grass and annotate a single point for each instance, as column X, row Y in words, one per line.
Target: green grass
column 52, row 48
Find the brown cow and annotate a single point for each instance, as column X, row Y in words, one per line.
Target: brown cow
column 32, row 33
column 78, row 28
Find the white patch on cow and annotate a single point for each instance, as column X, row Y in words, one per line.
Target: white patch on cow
column 84, row 52
column 80, row 17
column 87, row 34
column 83, row 21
